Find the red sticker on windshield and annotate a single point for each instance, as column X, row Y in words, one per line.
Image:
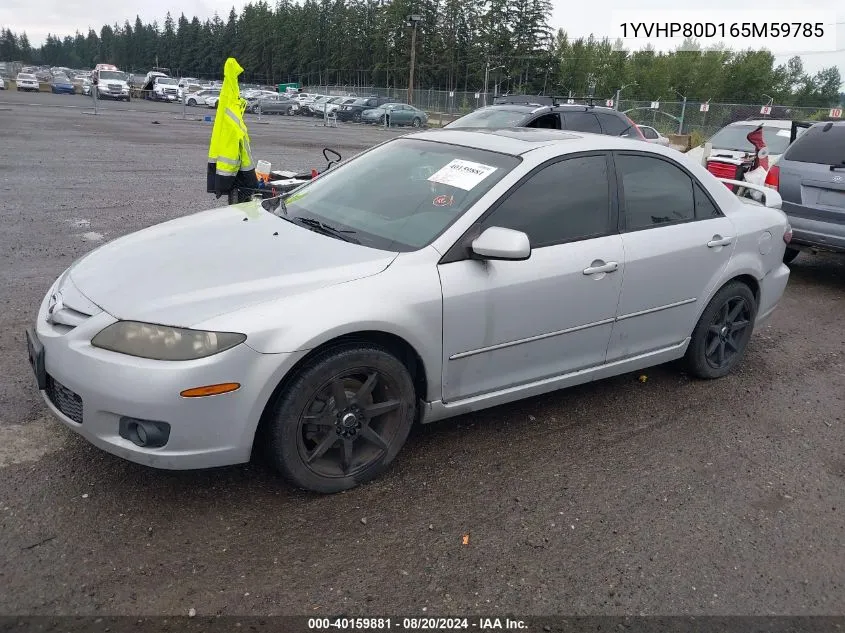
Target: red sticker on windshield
column 443, row 201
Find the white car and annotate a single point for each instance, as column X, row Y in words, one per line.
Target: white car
column 731, row 140
column 27, row 81
column 212, row 101
column 653, row 136
column 486, row 267
column 2, row 83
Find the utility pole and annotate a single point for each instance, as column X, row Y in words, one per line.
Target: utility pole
column 486, row 78
column 412, row 22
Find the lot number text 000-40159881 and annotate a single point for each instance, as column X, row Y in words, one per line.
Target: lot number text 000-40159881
column 780, row 30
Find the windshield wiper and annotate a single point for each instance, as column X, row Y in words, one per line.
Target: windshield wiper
column 327, row 229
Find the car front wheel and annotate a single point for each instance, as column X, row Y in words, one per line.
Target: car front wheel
column 343, row 419
column 417, row 122
column 721, row 336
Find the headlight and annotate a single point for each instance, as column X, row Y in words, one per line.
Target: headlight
column 161, row 342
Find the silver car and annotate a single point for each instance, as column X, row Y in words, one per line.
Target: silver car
column 486, row 266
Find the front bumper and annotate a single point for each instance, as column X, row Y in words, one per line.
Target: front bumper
column 101, row 387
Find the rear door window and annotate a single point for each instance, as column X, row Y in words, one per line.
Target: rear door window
column 612, row 124
column 581, row 122
column 819, row 147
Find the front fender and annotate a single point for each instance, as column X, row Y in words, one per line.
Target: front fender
column 405, row 301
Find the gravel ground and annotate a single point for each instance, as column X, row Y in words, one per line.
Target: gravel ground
column 670, row 496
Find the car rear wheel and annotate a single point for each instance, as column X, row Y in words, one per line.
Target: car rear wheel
column 356, row 116
column 721, row 336
column 343, row 419
column 790, row 255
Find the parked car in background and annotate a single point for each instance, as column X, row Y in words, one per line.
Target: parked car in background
column 649, row 259
column 315, row 108
column 274, row 104
column 165, row 89
column 353, row 111
column 60, row 84
column 85, row 87
column 810, row 177
column 27, row 81
column 399, row 113
column 338, row 104
column 200, row 97
column 653, row 136
column 212, row 101
column 112, row 84
column 544, row 112
column 2, row 83
column 732, row 142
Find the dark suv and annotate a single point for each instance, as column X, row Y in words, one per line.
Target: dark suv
column 810, row 178
column 546, row 112
column 352, row 111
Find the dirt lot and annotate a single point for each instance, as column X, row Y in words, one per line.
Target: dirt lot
column 619, row 497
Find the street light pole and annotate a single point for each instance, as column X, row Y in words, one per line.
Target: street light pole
column 486, row 78
column 412, row 22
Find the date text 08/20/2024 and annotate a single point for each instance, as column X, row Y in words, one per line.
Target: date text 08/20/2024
column 416, row 624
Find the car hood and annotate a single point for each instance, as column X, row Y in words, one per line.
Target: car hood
column 191, row 269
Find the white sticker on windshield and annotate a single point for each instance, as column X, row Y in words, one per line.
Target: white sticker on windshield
column 785, row 133
column 463, row 174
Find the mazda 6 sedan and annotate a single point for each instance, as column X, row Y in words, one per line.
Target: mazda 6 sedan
column 433, row 275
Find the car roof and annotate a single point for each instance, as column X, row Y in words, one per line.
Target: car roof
column 517, row 141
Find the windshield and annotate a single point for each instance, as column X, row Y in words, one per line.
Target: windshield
column 113, row 75
column 61, row 79
column 492, row 117
column 169, row 81
column 26, row 76
column 733, row 137
column 413, row 204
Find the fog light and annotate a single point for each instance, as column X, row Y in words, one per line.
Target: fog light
column 144, row 433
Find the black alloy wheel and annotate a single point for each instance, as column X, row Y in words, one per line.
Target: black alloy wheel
column 343, row 419
column 721, row 336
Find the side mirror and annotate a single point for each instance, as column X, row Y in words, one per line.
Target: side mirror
column 501, row 243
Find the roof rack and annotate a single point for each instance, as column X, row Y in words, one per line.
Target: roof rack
column 523, row 100
column 590, row 100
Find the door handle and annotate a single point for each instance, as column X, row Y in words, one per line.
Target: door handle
column 719, row 241
column 609, row 267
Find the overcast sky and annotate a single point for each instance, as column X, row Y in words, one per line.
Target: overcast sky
column 63, row 17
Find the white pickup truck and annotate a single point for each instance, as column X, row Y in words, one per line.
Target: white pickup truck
column 160, row 87
column 111, row 82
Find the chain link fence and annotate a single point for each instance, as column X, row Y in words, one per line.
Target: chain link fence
column 676, row 117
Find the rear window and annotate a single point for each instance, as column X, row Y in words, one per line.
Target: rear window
column 820, row 147
column 734, row 137
column 612, row 124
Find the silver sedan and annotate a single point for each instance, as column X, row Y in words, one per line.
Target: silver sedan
column 433, row 275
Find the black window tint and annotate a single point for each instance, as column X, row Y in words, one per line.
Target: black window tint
column 704, row 208
column 582, row 122
column 818, row 146
column 612, row 124
column 566, row 201
column 547, row 122
column 656, row 192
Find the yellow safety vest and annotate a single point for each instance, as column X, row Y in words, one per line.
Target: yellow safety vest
column 229, row 152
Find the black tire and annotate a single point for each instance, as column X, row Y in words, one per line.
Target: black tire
column 356, row 117
column 417, row 122
column 337, row 451
column 721, row 336
column 192, row 103
column 790, row 255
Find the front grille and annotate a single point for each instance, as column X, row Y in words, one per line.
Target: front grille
column 115, row 87
column 65, row 400
column 172, row 91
